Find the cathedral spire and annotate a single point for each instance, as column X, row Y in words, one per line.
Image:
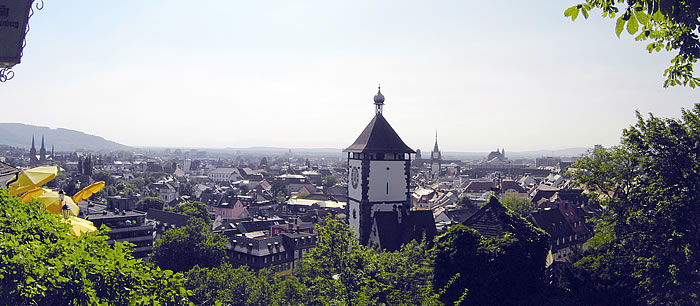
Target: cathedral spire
column 32, row 154
column 42, row 151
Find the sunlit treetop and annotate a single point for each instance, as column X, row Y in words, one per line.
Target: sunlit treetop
column 671, row 25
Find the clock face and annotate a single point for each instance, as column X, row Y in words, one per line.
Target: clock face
column 354, row 177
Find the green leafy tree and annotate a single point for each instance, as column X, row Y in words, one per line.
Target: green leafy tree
column 195, row 209
column 521, row 207
column 106, row 177
column 42, row 265
column 339, row 271
column 182, row 248
column 669, row 24
column 150, row 202
column 508, row 269
column 186, row 188
column 647, row 250
column 241, row 286
column 465, row 202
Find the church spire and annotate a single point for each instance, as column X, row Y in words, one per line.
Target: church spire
column 42, row 151
column 435, row 148
column 32, row 154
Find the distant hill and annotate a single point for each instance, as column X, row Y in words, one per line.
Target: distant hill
column 20, row 135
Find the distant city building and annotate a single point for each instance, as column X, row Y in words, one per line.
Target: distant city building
column 165, row 191
column 279, row 253
column 547, row 161
column 125, row 225
column 187, row 165
column 497, row 157
column 224, row 175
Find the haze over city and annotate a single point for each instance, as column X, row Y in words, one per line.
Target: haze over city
column 483, row 74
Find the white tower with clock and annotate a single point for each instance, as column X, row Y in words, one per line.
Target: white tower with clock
column 379, row 175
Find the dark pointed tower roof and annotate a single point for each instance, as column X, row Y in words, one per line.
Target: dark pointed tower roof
column 42, row 142
column 435, row 148
column 33, row 143
column 379, row 136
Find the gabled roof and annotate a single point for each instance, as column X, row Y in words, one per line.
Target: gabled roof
column 509, row 184
column 379, row 137
column 477, row 186
column 553, row 222
column 489, row 219
column 254, row 226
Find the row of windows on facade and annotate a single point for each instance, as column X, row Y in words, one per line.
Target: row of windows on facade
column 381, row 156
column 272, row 258
column 571, row 238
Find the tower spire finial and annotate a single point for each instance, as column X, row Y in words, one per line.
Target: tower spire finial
column 379, row 100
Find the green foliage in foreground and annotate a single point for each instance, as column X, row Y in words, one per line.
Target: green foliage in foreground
column 340, row 271
column 41, row 264
column 241, row 286
column 337, row 271
column 648, row 250
column 183, row 248
column 669, row 24
column 509, row 269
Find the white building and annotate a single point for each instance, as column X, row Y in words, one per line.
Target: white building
column 224, row 175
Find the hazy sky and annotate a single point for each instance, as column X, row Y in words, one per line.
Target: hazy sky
column 485, row 74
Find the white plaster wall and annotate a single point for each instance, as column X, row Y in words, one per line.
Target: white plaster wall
column 379, row 176
column 357, row 192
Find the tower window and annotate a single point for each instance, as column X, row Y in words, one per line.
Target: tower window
column 354, row 213
column 387, row 187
